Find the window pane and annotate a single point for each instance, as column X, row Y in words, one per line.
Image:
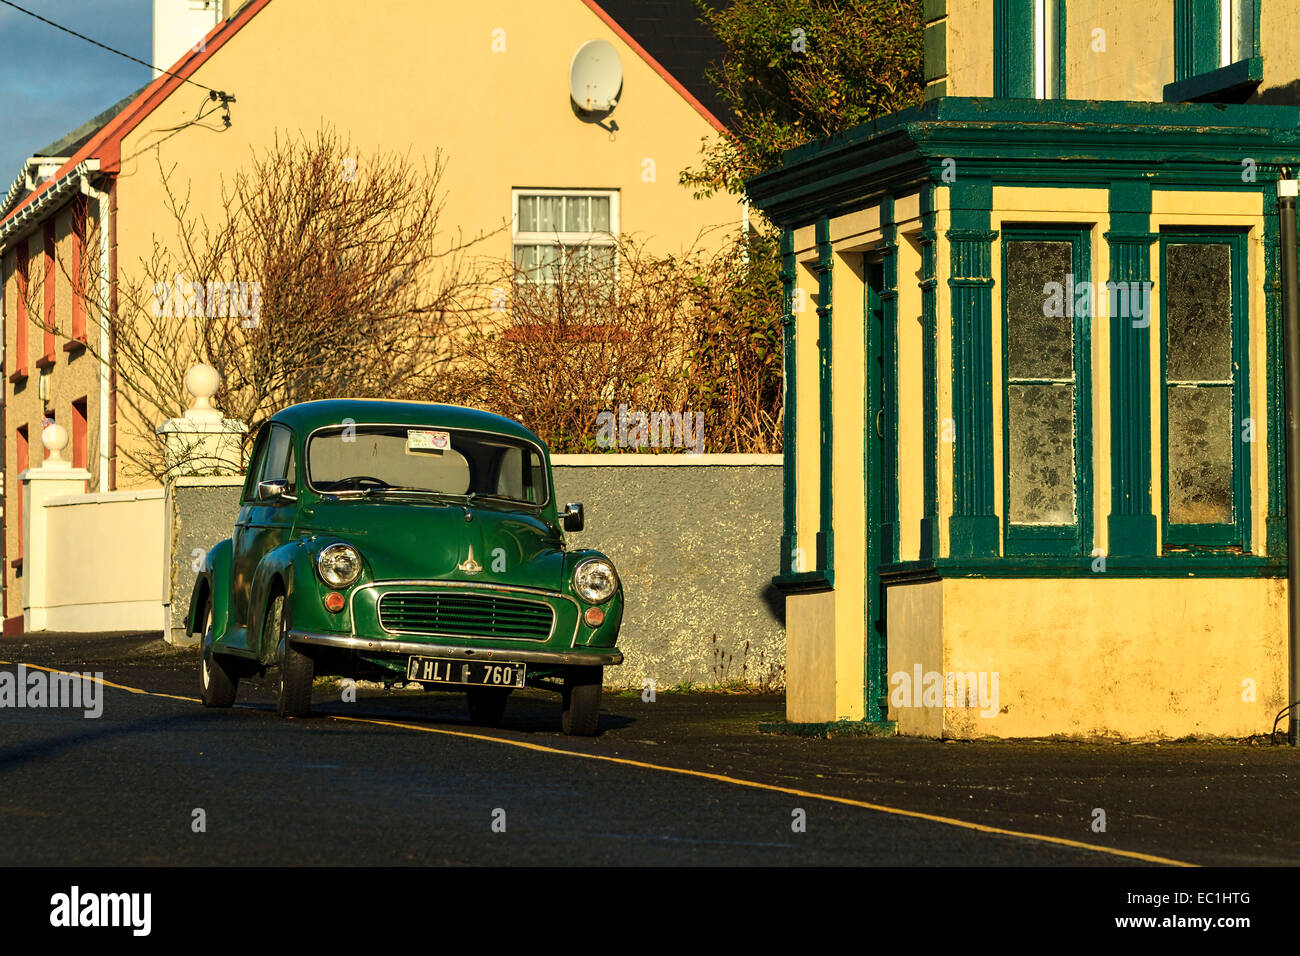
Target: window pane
column 548, row 262
column 1038, row 345
column 550, row 214
column 1200, row 455
column 577, row 214
column 600, row 213
column 526, row 257
column 1047, row 56
column 1041, row 453
column 602, row 257
column 527, row 213
column 277, row 454
column 1198, row 306
column 1243, row 29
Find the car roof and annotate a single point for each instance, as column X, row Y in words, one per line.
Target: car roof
column 306, row 417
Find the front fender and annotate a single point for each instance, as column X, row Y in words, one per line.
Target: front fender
column 275, row 574
column 212, row 584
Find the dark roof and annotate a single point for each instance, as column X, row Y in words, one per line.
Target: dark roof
column 308, row 416
column 69, row 143
column 671, row 31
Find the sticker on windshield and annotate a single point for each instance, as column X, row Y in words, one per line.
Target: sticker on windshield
column 427, row 441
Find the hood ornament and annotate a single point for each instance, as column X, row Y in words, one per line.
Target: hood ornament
column 469, row 565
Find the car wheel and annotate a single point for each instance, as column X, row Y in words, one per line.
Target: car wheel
column 487, row 705
column 297, row 670
column 581, row 701
column 218, row 675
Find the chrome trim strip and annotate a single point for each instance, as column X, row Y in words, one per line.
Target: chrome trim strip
column 362, row 645
column 550, row 631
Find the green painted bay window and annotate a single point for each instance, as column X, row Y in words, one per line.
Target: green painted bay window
column 1046, row 307
column 1205, row 407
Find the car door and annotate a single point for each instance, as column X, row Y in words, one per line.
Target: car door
column 263, row 525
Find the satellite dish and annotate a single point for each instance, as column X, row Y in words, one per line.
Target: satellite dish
column 596, row 77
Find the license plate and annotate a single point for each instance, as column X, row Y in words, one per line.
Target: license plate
column 436, row 670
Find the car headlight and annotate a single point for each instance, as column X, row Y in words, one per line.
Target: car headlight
column 595, row 580
column 339, row 565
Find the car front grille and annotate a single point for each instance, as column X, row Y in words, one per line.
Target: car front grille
column 466, row 615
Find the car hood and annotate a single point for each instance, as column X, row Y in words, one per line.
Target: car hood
column 418, row 540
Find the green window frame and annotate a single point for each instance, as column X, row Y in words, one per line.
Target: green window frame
column 1025, row 373
column 1020, row 378
column 1029, row 49
column 1182, row 388
column 1207, row 63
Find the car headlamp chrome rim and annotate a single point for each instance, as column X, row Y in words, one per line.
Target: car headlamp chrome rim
column 595, row 580
column 339, row 565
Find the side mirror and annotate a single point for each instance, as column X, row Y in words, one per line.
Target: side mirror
column 571, row 518
column 274, row 489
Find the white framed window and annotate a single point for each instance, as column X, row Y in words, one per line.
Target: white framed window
column 555, row 229
column 1236, row 31
column 1047, row 67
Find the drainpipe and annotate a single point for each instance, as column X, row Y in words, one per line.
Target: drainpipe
column 1286, row 201
column 104, row 290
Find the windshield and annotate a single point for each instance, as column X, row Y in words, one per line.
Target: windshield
column 380, row 459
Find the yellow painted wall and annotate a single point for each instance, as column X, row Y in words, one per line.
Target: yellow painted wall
column 1098, row 656
column 1118, row 50
column 848, row 469
column 807, row 418
column 911, row 399
column 1279, row 45
column 970, row 47
column 946, row 430
column 810, row 664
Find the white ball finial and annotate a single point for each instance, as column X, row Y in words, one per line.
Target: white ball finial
column 55, row 438
column 202, row 381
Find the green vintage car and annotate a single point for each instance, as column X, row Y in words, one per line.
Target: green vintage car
column 406, row 541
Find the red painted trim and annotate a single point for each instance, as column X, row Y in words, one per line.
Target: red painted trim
column 13, row 626
column 20, row 312
column 48, row 289
column 655, row 65
column 78, row 263
column 112, row 340
column 106, row 145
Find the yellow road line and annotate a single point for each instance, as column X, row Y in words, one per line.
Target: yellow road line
column 700, row 774
column 100, row 680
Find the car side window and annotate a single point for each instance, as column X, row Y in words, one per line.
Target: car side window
column 279, row 456
column 256, row 463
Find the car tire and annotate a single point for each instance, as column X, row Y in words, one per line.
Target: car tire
column 487, row 705
column 297, row 670
column 218, row 674
column 581, row 701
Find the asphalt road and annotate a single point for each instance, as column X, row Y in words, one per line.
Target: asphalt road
column 404, row 778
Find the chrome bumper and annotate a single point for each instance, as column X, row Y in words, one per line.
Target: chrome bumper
column 363, row 645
